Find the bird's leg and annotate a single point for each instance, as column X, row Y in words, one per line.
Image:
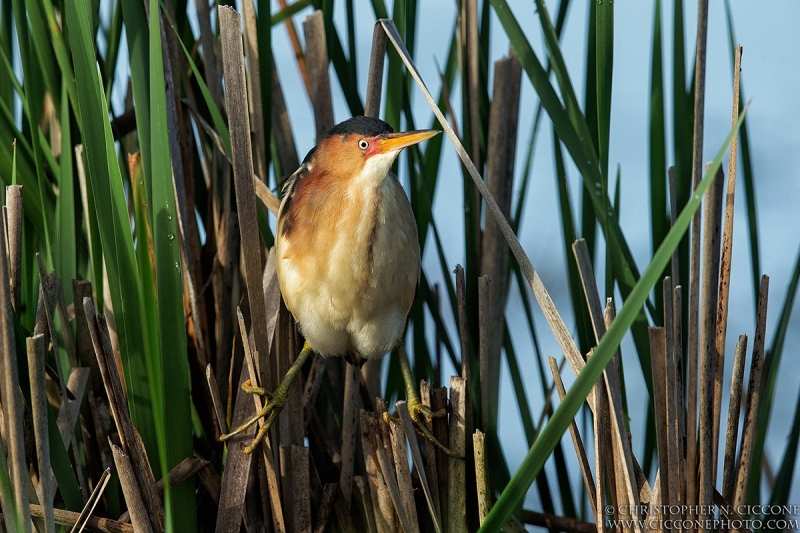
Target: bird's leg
column 276, row 400
column 416, row 409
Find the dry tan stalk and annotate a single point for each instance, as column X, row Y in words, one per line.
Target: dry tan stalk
column 583, row 259
column 319, row 80
column 384, row 453
column 91, row 503
column 241, row 151
column 416, row 456
column 398, row 443
column 456, row 477
column 237, row 466
column 694, row 280
column 500, row 151
column 349, row 429
column 635, row 484
column 47, row 488
column 709, row 371
column 266, row 196
column 14, row 242
column 69, row 518
column 431, row 462
column 673, row 215
column 732, row 431
column 260, row 141
column 658, row 364
column 624, row 468
column 49, row 290
column 577, row 442
column 482, row 475
column 674, row 401
column 301, row 489
column 677, row 325
column 131, row 445
column 313, row 383
column 441, row 432
column 379, row 491
column 372, row 105
column 130, row 488
column 266, row 445
column 483, row 350
column 463, row 332
column 725, row 262
column 470, row 43
column 600, row 453
column 214, row 391
column 753, row 397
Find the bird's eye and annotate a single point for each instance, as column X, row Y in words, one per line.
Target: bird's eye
column 363, row 144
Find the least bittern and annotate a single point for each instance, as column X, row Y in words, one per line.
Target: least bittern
column 347, row 256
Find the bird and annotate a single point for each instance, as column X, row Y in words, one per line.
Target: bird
column 347, row 256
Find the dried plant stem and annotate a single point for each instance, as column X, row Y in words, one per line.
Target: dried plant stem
column 317, row 61
column 133, row 496
column 577, row 442
column 13, row 211
column 481, row 475
column 732, row 431
column 753, row 397
column 241, row 150
column 708, row 426
column 694, row 276
column 372, row 106
column 47, row 486
column 727, row 249
column 70, row 518
column 463, row 333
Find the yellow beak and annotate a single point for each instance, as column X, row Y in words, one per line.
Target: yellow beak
column 397, row 141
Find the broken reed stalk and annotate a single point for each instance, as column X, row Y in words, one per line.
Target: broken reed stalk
column 577, row 442
column 13, row 211
column 241, row 151
column 734, row 407
column 131, row 442
column 622, row 465
column 317, row 62
column 674, row 405
column 658, row 362
column 694, row 276
column 463, row 333
column 710, row 283
column 726, row 253
column 753, row 397
column 416, row 456
column 92, row 523
column 483, row 350
column 11, row 398
column 482, row 475
column 133, row 496
column 47, row 488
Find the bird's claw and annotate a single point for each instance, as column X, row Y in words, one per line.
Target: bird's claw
column 275, row 403
column 417, row 410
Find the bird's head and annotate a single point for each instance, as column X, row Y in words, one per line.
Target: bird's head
column 362, row 146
